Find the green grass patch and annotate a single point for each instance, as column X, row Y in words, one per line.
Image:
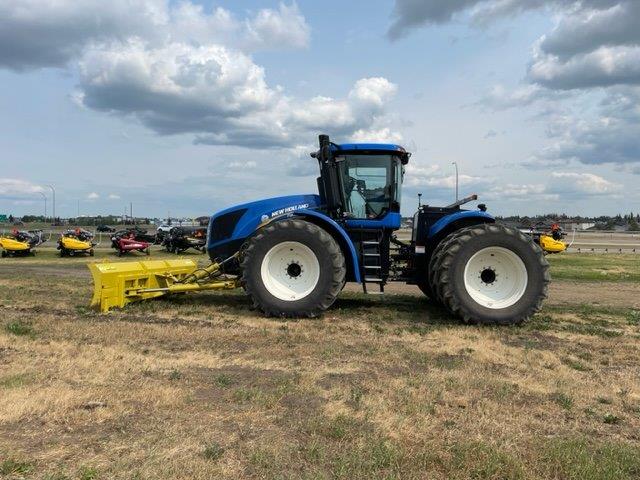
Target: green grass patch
column 213, row 451
column 595, row 327
column 88, row 473
column 575, row 364
column 633, row 317
column 14, row 381
column 578, row 459
column 20, row 328
column 479, row 460
column 611, row 418
column 223, row 380
column 595, row 268
column 12, row 467
column 563, row 400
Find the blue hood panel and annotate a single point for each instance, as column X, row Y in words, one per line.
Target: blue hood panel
column 256, row 213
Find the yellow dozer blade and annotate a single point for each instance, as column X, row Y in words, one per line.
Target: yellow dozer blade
column 117, row 284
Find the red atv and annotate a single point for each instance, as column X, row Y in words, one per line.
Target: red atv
column 127, row 242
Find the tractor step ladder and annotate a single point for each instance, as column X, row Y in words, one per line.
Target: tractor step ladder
column 371, row 265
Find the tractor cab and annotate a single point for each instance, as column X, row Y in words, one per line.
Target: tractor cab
column 361, row 183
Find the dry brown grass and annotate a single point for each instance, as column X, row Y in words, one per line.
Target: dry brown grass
column 202, row 387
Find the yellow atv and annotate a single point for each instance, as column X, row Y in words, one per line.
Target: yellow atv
column 76, row 242
column 19, row 243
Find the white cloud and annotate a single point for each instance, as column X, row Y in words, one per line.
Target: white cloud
column 412, row 14
column 602, row 67
column 587, row 183
column 607, row 23
column 93, row 196
column 179, row 68
column 16, row 188
column 283, row 28
column 44, row 33
column 242, row 165
column 373, row 135
column 559, row 186
column 520, row 192
column 218, row 94
column 113, row 196
column 432, row 176
column 501, row 98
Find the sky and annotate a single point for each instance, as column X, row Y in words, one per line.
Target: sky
column 188, row 107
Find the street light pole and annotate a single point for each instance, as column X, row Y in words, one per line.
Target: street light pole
column 456, row 165
column 54, row 202
column 45, row 205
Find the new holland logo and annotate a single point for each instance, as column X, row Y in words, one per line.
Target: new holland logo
column 282, row 211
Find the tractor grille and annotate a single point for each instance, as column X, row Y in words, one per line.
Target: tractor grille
column 222, row 227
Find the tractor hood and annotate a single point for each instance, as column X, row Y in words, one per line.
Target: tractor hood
column 236, row 223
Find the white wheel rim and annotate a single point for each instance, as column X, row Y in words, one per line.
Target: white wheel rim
column 495, row 277
column 290, row 271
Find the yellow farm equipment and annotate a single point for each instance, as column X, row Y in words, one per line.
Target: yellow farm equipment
column 76, row 242
column 20, row 243
column 549, row 238
column 551, row 245
column 117, row 284
column 11, row 246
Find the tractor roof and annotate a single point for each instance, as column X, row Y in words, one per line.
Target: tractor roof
column 373, row 148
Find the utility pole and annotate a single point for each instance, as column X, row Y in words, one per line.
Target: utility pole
column 45, row 205
column 456, row 165
column 131, row 212
column 54, row 202
column 78, row 210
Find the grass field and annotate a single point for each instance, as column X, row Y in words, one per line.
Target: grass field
column 202, row 387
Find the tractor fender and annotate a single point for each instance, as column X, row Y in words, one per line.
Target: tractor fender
column 455, row 221
column 338, row 233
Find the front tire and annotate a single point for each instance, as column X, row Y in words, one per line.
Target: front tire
column 491, row 274
column 292, row 268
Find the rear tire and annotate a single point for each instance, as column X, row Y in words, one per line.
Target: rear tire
column 491, row 274
column 292, row 268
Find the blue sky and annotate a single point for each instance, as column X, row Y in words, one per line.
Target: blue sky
column 189, row 110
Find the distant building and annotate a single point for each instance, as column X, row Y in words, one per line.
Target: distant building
column 570, row 226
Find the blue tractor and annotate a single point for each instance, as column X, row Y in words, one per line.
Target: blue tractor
column 294, row 254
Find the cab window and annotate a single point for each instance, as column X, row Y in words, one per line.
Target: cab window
column 367, row 182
